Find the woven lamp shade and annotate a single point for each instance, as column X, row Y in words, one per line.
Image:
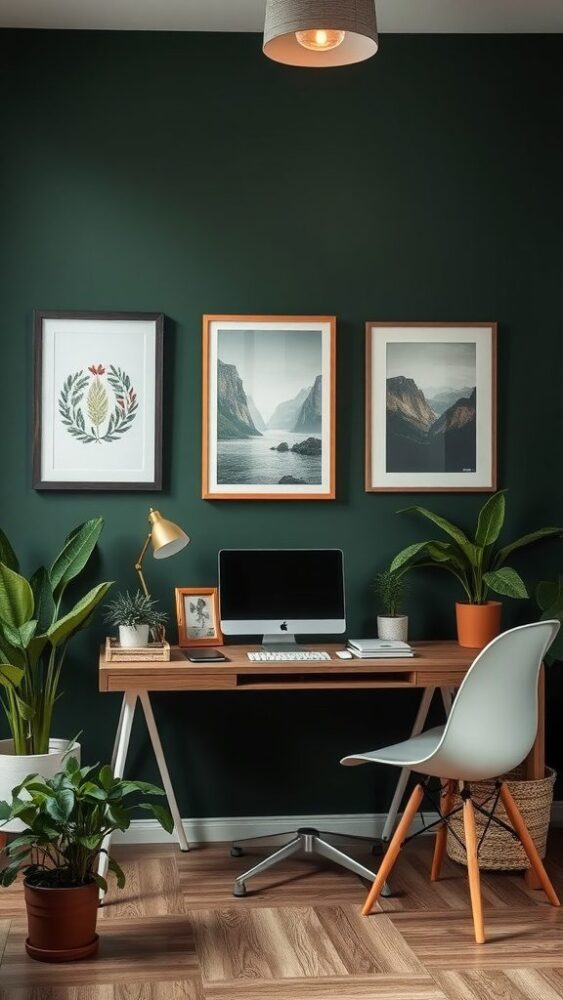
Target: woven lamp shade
column 355, row 18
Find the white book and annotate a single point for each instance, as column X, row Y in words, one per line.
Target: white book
column 389, row 655
column 383, row 646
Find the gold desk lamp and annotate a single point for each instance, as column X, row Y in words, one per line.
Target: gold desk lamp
column 166, row 539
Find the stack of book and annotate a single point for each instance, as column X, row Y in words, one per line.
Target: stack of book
column 373, row 649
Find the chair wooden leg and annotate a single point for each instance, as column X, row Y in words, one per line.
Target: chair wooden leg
column 515, row 817
column 473, row 869
column 394, row 848
column 446, row 800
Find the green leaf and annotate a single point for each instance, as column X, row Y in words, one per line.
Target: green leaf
column 117, row 871
column 93, row 791
column 450, row 529
column 118, row 816
column 534, row 536
column 10, row 676
column 44, row 600
column 7, row 554
column 75, row 554
column 9, row 874
column 491, row 520
column 60, row 807
column 16, row 598
column 506, row 581
column 105, row 777
column 22, row 636
column 407, row 555
column 100, row 882
column 126, row 787
column 26, row 710
column 161, row 814
column 65, row 626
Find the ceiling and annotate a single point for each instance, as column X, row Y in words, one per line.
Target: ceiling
column 401, row 16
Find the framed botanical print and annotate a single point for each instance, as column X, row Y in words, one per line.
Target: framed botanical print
column 197, row 613
column 431, row 407
column 98, row 401
column 268, row 408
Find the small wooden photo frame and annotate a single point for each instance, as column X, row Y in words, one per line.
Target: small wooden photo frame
column 197, row 613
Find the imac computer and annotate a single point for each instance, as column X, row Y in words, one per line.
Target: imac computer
column 278, row 593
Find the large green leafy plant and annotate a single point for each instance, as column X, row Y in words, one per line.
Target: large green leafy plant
column 67, row 818
column 476, row 562
column 35, row 632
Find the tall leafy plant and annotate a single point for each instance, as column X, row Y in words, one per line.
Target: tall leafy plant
column 35, row 631
column 476, row 562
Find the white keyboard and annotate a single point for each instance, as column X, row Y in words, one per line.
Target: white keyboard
column 297, row 657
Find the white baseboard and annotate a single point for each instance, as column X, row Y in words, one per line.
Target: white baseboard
column 228, row 828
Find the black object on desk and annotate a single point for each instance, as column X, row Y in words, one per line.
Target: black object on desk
column 202, row 654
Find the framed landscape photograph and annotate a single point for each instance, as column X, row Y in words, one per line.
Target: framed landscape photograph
column 197, row 613
column 268, row 408
column 98, row 401
column 431, row 407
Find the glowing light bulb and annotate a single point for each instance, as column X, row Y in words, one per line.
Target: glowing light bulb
column 320, row 39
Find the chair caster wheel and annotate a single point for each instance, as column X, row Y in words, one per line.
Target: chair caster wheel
column 386, row 892
column 237, row 852
column 239, row 889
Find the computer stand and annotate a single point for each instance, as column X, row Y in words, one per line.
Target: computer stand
column 283, row 642
column 309, row 841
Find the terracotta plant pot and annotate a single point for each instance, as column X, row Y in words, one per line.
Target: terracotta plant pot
column 477, row 624
column 61, row 922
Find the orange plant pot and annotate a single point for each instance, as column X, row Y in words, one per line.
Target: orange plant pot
column 477, row 624
column 61, row 922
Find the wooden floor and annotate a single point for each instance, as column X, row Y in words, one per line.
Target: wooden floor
column 176, row 933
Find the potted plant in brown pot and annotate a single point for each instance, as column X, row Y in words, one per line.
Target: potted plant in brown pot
column 66, row 819
column 478, row 565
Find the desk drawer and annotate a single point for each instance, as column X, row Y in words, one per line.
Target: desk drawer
column 302, row 682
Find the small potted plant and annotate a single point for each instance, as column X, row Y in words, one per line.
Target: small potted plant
column 66, row 819
column 135, row 616
column 392, row 624
column 478, row 565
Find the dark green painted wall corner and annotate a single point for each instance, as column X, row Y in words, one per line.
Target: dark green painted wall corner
column 187, row 174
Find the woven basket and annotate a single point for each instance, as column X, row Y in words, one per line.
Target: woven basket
column 500, row 851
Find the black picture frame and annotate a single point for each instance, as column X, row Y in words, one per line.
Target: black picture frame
column 39, row 483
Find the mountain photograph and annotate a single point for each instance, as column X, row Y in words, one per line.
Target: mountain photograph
column 431, row 424
column 269, row 408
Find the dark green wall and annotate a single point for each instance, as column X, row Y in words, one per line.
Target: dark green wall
column 186, row 173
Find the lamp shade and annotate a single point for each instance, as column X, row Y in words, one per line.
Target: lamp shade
column 320, row 33
column 167, row 538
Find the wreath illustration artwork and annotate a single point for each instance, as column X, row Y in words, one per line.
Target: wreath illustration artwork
column 86, row 409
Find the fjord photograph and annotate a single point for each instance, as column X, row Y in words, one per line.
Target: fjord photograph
column 431, row 407
column 269, row 407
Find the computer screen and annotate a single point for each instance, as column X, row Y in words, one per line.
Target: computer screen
column 281, row 590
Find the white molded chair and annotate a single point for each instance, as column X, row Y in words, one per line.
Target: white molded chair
column 491, row 729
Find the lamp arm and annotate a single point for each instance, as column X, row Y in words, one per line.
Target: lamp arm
column 139, row 564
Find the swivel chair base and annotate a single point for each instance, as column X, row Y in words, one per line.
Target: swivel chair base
column 310, row 842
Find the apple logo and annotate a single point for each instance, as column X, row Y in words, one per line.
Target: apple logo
column 283, row 626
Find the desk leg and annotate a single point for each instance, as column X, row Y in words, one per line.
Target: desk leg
column 161, row 761
column 118, row 758
column 404, row 776
column 535, row 761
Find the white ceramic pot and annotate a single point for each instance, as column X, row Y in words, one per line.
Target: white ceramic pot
column 14, row 768
column 131, row 636
column 393, row 629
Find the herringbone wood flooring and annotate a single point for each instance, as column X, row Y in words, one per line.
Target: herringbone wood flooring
column 176, row 933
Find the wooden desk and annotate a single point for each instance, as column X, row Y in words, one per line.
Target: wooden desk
column 435, row 665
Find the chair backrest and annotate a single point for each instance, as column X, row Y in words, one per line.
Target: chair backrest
column 494, row 719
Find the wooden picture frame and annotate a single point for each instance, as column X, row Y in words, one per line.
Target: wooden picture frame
column 382, row 448
column 269, row 463
column 186, row 636
column 97, row 382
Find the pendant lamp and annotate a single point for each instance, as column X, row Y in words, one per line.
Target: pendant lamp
column 320, row 33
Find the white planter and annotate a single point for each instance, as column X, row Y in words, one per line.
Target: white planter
column 393, row 629
column 132, row 636
column 14, row 768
